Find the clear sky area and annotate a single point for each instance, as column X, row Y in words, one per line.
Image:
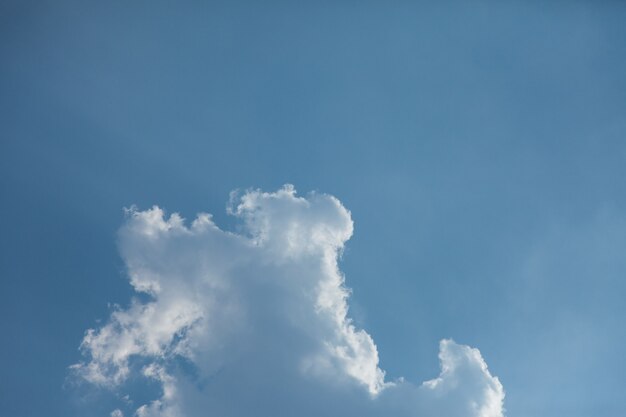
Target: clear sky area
column 476, row 152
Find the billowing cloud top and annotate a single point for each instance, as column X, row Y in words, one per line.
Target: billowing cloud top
column 256, row 323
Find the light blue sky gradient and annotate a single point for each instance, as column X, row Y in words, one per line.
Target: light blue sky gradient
column 480, row 147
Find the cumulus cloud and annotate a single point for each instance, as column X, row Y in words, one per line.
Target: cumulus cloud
column 256, row 323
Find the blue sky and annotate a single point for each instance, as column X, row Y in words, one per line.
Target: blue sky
column 480, row 149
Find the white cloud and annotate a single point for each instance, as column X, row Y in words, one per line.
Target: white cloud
column 260, row 322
